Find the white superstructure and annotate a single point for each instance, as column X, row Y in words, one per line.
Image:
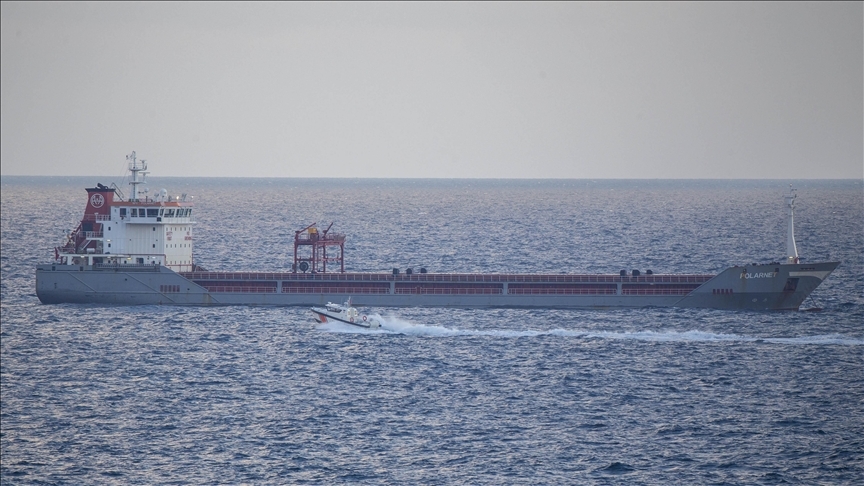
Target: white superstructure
column 141, row 230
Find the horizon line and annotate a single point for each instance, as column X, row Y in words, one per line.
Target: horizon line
column 473, row 178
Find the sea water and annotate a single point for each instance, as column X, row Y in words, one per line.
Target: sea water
column 259, row 395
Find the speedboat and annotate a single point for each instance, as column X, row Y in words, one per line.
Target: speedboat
column 344, row 313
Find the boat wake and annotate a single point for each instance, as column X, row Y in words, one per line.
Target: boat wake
column 395, row 325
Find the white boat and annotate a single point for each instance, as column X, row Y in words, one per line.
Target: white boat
column 344, row 313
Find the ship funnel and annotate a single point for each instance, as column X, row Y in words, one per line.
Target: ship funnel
column 791, row 249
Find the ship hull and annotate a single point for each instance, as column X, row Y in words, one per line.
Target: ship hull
column 753, row 287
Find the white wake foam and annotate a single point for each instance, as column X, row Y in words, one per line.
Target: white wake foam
column 395, row 325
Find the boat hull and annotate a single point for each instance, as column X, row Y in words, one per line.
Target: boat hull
column 324, row 317
column 753, row 287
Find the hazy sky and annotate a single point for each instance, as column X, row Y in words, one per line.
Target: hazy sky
column 501, row 90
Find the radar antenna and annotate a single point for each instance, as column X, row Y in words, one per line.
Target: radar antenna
column 135, row 167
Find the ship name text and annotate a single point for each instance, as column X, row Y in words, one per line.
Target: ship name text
column 759, row 275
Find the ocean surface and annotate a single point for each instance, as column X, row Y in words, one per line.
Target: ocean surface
column 170, row 395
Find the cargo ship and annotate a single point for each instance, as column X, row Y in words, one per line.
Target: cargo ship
column 139, row 250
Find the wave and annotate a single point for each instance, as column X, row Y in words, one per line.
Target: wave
column 394, row 325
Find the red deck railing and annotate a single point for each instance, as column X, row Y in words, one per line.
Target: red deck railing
column 240, row 289
column 448, row 291
column 335, row 290
column 447, row 277
column 446, row 284
column 562, row 291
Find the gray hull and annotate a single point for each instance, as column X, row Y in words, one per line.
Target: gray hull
column 755, row 287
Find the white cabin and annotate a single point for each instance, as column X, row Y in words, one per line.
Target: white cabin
column 136, row 231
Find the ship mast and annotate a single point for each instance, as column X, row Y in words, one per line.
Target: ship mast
column 791, row 249
column 135, row 168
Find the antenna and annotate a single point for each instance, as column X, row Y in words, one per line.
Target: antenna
column 135, row 168
column 791, row 248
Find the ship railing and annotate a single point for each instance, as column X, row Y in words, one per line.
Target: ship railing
column 655, row 291
column 93, row 234
column 132, row 267
column 240, row 289
column 560, row 291
column 339, row 237
column 449, row 290
column 241, row 276
column 96, row 217
column 448, row 278
column 299, row 289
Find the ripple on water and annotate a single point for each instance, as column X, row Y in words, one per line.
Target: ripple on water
column 153, row 394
